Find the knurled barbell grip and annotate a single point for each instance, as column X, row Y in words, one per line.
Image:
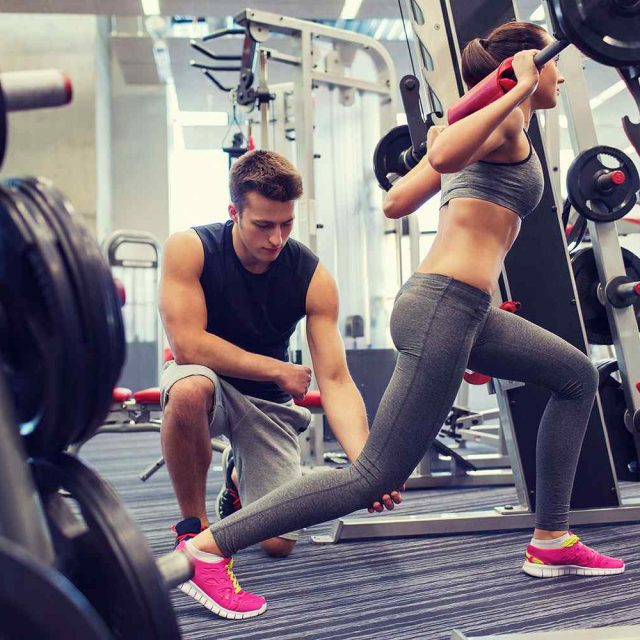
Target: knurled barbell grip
column 35, row 89
column 550, row 52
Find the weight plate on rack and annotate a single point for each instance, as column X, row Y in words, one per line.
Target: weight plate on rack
column 103, row 553
column 593, row 312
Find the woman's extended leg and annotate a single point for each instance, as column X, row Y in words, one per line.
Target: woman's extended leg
column 434, row 325
column 512, row 348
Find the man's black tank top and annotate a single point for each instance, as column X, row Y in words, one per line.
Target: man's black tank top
column 256, row 312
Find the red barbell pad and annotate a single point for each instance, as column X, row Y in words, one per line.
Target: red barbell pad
column 168, row 355
column 147, row 396
column 312, row 399
column 494, row 86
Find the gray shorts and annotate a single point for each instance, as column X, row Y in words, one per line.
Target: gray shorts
column 263, row 434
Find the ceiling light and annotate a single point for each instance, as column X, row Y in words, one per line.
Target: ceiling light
column 382, row 27
column 607, row 94
column 151, row 7
column 537, row 15
column 350, row 9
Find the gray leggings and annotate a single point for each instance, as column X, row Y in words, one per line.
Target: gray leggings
column 439, row 326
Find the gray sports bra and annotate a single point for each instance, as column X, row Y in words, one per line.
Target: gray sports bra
column 515, row 185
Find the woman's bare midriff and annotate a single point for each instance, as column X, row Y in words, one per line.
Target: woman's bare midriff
column 473, row 239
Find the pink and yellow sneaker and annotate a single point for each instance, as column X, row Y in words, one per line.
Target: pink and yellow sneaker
column 573, row 558
column 214, row 586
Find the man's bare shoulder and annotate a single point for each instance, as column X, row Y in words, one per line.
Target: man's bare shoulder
column 185, row 248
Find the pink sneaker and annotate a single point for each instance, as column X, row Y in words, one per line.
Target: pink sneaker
column 214, row 586
column 573, row 558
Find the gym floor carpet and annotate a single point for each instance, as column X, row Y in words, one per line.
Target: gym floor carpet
column 401, row 589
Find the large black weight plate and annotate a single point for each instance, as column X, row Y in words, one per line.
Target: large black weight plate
column 596, row 204
column 622, row 445
column 105, row 555
column 71, row 368
column 113, row 352
column 39, row 348
column 38, row 602
column 80, row 250
column 80, row 380
column 593, row 312
column 3, row 127
column 387, row 161
column 608, row 31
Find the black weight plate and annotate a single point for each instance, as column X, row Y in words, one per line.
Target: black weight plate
column 110, row 342
column 386, row 156
column 38, row 602
column 583, row 192
column 107, row 558
column 92, row 311
column 37, row 296
column 76, row 267
column 593, row 312
column 3, row 127
column 70, row 363
column 623, row 449
column 606, row 31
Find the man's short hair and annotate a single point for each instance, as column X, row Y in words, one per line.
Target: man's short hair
column 266, row 172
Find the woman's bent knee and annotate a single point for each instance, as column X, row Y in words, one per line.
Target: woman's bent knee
column 584, row 380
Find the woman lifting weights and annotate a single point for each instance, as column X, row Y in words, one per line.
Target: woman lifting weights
column 491, row 179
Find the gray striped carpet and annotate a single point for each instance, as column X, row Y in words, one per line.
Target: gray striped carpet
column 387, row 590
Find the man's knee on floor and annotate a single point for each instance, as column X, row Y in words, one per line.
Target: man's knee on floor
column 278, row 547
column 190, row 396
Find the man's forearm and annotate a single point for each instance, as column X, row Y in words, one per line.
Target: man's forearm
column 347, row 415
column 227, row 359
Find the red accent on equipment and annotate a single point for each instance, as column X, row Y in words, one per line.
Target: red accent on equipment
column 473, row 377
column 636, row 289
column 120, row 394
column 511, row 306
column 167, row 355
column 147, row 396
column 312, row 399
column 68, row 87
column 618, row 177
column 122, row 293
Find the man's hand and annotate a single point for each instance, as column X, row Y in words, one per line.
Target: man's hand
column 294, row 379
column 389, row 500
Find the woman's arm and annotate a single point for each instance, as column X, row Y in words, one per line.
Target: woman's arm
column 474, row 137
column 412, row 190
